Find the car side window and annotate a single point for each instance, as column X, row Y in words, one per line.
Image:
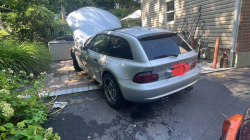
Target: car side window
column 119, row 47
column 100, row 44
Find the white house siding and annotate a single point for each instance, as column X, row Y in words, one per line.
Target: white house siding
column 217, row 14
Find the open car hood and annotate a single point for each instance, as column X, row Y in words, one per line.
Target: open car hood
column 88, row 21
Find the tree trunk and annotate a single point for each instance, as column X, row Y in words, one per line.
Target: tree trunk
column 63, row 13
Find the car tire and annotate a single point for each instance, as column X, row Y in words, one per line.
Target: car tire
column 76, row 66
column 116, row 101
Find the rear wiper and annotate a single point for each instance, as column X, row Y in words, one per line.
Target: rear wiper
column 162, row 56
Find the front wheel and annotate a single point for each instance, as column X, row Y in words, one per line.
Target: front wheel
column 112, row 92
column 76, row 66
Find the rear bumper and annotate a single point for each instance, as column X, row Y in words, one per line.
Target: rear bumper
column 152, row 91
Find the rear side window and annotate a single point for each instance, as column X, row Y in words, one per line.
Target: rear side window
column 119, row 47
column 164, row 45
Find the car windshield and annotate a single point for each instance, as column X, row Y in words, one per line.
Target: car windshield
column 87, row 41
column 161, row 46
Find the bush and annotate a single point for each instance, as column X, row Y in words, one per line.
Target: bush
column 33, row 25
column 21, row 117
column 3, row 34
column 121, row 12
column 29, row 57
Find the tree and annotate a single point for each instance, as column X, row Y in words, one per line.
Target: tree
column 105, row 4
column 62, row 6
column 33, row 26
column 70, row 5
column 125, row 7
column 29, row 19
column 127, row 3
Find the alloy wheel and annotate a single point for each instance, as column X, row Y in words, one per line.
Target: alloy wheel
column 110, row 90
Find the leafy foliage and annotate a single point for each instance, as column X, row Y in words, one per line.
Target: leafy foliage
column 3, row 34
column 21, row 117
column 29, row 57
column 127, row 3
column 69, row 5
column 105, row 4
column 33, row 19
column 123, row 12
column 72, row 6
column 33, row 25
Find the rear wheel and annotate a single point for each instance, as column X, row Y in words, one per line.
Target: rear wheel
column 112, row 92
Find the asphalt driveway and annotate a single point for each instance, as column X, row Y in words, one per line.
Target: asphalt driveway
column 181, row 116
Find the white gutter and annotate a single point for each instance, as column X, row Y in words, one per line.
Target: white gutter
column 237, row 12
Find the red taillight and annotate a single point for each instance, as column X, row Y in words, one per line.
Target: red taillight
column 145, row 77
column 231, row 126
column 194, row 64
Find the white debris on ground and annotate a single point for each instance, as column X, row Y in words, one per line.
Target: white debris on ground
column 60, row 104
column 206, row 63
column 206, row 66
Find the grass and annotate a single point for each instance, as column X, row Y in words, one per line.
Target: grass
column 29, row 57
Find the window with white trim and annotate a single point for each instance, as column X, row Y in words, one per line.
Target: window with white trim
column 169, row 15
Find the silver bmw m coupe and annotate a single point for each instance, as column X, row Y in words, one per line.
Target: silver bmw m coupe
column 138, row 64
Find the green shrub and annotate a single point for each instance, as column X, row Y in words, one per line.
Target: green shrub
column 29, row 57
column 21, row 117
column 3, row 34
column 32, row 24
column 121, row 12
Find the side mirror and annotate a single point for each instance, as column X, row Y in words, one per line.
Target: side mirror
column 85, row 48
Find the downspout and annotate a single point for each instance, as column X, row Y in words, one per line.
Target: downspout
column 237, row 12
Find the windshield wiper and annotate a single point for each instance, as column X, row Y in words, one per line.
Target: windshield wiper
column 163, row 56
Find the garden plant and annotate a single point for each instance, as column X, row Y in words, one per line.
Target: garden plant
column 26, row 56
column 22, row 111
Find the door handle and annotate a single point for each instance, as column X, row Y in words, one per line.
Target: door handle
column 95, row 60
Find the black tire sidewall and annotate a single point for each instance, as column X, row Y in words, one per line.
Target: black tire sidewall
column 120, row 100
column 76, row 66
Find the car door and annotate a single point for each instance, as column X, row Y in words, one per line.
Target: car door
column 97, row 54
column 85, row 55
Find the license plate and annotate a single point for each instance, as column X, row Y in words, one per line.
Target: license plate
column 180, row 68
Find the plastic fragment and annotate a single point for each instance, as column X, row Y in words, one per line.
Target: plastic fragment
column 60, row 104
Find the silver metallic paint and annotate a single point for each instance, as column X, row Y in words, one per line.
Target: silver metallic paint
column 124, row 70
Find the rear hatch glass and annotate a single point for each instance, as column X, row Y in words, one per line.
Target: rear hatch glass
column 162, row 46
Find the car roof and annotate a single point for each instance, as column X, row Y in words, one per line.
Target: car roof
column 141, row 32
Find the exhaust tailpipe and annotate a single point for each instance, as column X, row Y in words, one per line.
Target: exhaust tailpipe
column 189, row 88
